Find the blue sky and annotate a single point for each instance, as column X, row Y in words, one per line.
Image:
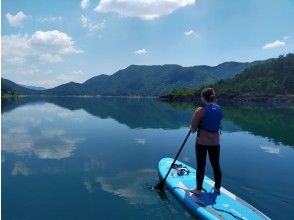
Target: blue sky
column 47, row 43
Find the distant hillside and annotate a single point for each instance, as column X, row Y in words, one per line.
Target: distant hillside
column 145, row 80
column 269, row 78
column 68, row 89
column 274, row 77
column 157, row 80
column 8, row 86
column 33, row 87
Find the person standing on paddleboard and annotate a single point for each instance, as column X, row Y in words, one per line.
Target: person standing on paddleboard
column 207, row 122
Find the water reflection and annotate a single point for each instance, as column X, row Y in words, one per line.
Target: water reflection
column 270, row 149
column 142, row 113
column 89, row 186
column 131, row 185
column 275, row 123
column 20, row 168
column 88, row 155
column 140, row 141
column 33, row 133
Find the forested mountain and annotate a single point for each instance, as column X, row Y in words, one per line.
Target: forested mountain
column 273, row 77
column 157, row 80
column 9, row 87
column 269, row 78
column 144, row 80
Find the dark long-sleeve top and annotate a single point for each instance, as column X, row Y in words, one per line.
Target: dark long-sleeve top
column 203, row 137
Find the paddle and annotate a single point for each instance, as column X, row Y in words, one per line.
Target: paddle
column 160, row 185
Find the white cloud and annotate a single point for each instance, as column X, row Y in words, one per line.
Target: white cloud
column 143, row 9
column 47, row 83
column 87, row 23
column 49, row 46
column 188, row 33
column 140, row 51
column 54, row 40
column 74, row 76
column 50, row 58
column 50, row 82
column 25, row 70
column 84, row 20
column 16, row 20
column 15, row 60
column 84, row 3
column 31, row 70
column 50, row 19
column 275, row 44
column 191, row 33
column 15, row 48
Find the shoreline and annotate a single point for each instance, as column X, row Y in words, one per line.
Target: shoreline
column 5, row 96
column 283, row 99
column 226, row 98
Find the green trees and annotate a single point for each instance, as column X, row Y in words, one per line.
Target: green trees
column 141, row 80
column 268, row 78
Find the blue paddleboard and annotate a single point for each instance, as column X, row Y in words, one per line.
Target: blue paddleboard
column 210, row 204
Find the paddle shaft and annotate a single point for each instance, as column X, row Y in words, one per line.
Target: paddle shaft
column 183, row 144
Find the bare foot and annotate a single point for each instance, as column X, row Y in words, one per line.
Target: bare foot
column 216, row 189
column 196, row 191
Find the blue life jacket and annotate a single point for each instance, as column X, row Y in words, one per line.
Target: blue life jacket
column 212, row 117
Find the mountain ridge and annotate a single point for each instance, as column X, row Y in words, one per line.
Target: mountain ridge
column 142, row 80
column 270, row 80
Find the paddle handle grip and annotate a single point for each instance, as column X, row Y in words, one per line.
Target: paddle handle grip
column 182, row 146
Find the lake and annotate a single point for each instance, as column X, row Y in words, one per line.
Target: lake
column 96, row 158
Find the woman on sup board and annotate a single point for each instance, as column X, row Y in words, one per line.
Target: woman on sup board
column 207, row 122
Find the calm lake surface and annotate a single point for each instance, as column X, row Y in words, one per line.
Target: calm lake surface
column 96, row 158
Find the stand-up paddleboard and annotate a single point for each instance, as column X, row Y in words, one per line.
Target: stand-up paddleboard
column 210, row 204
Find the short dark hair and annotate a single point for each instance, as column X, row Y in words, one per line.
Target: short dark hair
column 208, row 94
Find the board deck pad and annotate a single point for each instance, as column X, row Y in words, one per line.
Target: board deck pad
column 210, row 204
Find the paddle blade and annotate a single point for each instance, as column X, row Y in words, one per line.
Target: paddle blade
column 160, row 186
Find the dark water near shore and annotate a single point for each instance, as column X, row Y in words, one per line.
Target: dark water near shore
column 96, row 158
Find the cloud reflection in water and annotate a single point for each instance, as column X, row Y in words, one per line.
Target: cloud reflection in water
column 131, row 185
column 33, row 134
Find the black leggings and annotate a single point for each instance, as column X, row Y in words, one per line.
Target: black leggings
column 213, row 153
